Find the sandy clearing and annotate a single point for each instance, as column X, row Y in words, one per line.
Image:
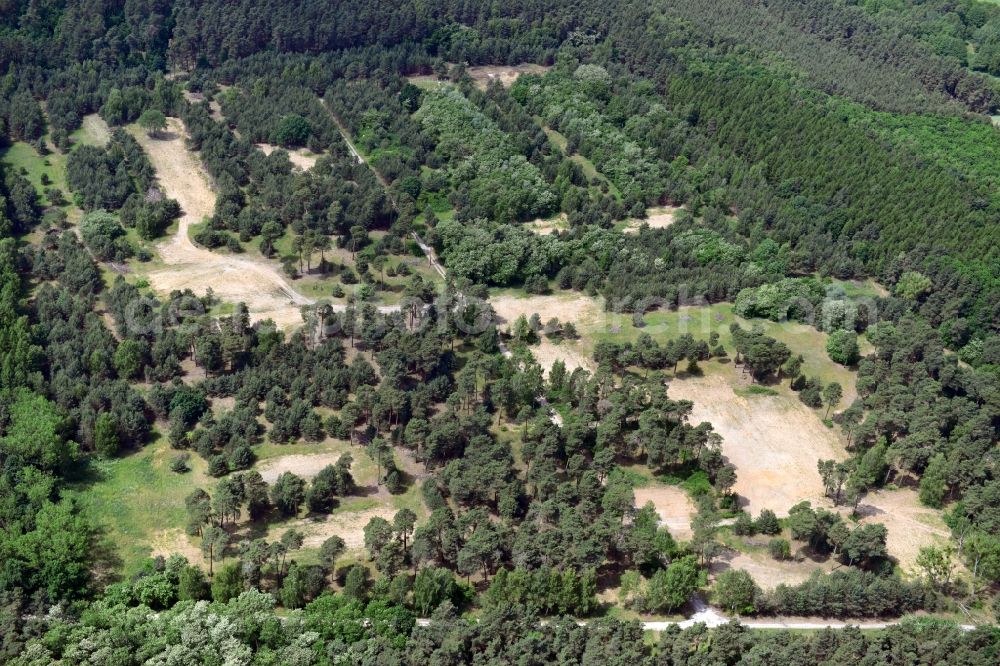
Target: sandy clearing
column 767, row 571
column 300, row 157
column 774, row 441
column 657, row 218
column 545, row 227
column 176, row 542
column 673, row 506
column 96, row 131
column 306, row 465
column 583, row 311
column 214, row 108
column 571, row 352
column 267, row 294
column 348, row 525
column 483, row 74
column 910, row 525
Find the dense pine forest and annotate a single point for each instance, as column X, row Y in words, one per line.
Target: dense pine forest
column 830, row 172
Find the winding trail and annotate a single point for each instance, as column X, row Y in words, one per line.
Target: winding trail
column 265, row 291
column 256, row 282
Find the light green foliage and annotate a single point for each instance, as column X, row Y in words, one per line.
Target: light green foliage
column 912, row 285
column 736, row 591
column 104, row 236
column 501, row 182
column 153, row 121
column 790, row 298
column 576, row 107
column 496, row 254
column 710, row 248
column 106, row 440
column 670, row 588
column 933, row 483
column 36, row 433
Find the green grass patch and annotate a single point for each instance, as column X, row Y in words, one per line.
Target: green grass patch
column 691, row 480
column 702, row 321
column 136, row 496
column 20, row 155
column 755, row 389
column 635, row 478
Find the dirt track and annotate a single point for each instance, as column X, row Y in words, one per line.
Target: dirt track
column 267, row 294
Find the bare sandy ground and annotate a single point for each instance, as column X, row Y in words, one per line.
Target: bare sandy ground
column 267, row 294
column 483, row 74
column 95, row 129
column 571, row 352
column 768, row 572
column 657, row 218
column 567, row 307
column 911, row 525
column 774, row 441
column 299, row 158
column 176, row 542
column 306, row 465
column 673, row 506
column 348, row 525
column 545, row 227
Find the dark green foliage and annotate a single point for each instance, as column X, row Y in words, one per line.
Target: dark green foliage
column 767, row 522
column 292, row 130
column 288, row 493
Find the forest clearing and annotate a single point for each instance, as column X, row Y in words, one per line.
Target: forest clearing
column 300, row 157
column 774, row 441
column 484, row 74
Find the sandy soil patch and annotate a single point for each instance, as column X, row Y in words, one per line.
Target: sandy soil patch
column 583, row 311
column 300, row 157
column 911, row 525
column 258, row 284
column 657, row 218
column 774, row 441
column 222, row 404
column 571, row 352
column 348, row 525
column 673, row 506
column 483, row 74
column 767, row 571
column 548, row 226
column 95, row 129
column 306, row 465
column 176, row 542
column 214, row 108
